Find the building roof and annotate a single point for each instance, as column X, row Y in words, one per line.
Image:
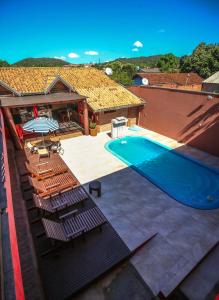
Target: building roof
column 39, row 99
column 171, row 78
column 150, row 70
column 102, row 93
column 188, row 87
column 213, row 78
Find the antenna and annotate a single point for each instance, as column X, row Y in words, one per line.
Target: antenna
column 145, row 81
column 109, row 71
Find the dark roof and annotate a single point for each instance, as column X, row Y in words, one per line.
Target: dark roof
column 172, row 78
column 39, row 99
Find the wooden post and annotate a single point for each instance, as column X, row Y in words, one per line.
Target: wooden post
column 12, row 128
column 86, row 120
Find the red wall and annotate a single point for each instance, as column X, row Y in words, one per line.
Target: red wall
column 185, row 116
column 19, row 290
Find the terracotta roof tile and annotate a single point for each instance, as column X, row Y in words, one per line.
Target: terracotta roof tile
column 101, row 92
column 172, row 78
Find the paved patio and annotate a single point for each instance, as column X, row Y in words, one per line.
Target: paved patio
column 137, row 210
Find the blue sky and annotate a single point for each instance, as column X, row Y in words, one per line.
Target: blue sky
column 87, row 31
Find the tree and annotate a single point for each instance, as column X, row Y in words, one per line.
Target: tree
column 204, row 60
column 4, row 63
column 168, row 63
column 122, row 72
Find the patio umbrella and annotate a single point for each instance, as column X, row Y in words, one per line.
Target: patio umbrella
column 41, row 125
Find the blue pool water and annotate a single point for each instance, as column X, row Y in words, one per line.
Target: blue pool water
column 184, row 179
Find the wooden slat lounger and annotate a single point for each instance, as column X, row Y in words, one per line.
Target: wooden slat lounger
column 61, row 200
column 34, row 158
column 52, row 185
column 73, row 225
column 46, row 169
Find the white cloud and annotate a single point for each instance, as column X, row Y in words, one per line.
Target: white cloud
column 73, row 55
column 135, row 49
column 138, row 44
column 162, row 30
column 60, row 57
column 91, row 52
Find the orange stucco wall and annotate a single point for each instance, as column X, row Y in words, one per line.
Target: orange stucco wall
column 185, row 116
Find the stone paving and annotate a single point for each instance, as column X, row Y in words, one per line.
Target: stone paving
column 137, row 209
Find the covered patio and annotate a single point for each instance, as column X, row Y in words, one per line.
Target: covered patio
column 69, row 109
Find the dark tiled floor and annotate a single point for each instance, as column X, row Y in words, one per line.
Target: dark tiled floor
column 184, row 235
column 128, row 277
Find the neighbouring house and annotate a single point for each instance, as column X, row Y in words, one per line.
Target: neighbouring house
column 172, row 80
column 149, row 70
column 72, row 96
column 211, row 84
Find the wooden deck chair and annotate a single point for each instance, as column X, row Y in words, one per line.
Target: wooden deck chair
column 62, row 200
column 73, row 225
column 52, row 185
column 46, row 169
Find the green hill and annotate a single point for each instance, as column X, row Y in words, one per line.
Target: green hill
column 40, row 62
column 4, row 63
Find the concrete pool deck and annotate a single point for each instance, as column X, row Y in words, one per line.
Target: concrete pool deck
column 137, row 209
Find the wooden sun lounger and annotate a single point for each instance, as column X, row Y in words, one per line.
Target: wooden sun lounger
column 34, row 158
column 52, row 185
column 73, row 225
column 46, row 169
column 61, row 200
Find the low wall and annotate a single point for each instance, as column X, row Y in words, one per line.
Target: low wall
column 186, row 116
column 18, row 281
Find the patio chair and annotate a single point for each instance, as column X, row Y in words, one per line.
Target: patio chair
column 53, row 185
column 60, row 201
column 32, row 149
column 46, row 169
column 72, row 225
column 57, row 148
column 43, row 152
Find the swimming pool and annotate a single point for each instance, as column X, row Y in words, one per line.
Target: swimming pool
column 186, row 180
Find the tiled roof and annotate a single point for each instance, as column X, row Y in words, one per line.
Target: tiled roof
column 101, row 92
column 212, row 79
column 172, row 78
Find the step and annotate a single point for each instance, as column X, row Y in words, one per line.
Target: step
column 163, row 268
column 203, row 278
column 184, row 266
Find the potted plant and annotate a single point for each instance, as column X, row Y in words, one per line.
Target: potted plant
column 93, row 128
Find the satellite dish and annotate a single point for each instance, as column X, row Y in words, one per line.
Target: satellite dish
column 145, row 81
column 137, row 68
column 109, row 71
